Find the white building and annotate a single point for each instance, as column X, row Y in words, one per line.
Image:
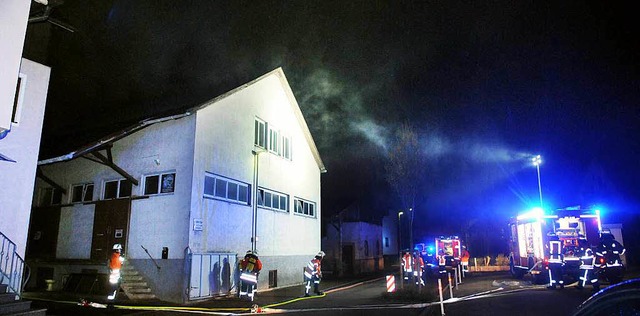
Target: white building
column 180, row 194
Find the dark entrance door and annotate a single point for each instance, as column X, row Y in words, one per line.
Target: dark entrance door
column 347, row 259
column 110, row 226
column 43, row 233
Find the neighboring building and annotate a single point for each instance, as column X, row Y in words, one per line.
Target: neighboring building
column 19, row 147
column 179, row 193
column 390, row 239
column 353, row 248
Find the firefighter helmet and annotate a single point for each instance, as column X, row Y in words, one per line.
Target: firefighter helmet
column 249, row 252
column 117, row 247
column 320, row 254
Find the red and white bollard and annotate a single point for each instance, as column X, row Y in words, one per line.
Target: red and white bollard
column 391, row 283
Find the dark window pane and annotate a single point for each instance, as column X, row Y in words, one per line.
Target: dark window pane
column 209, row 183
column 110, row 190
column 311, row 209
column 57, row 196
column 88, row 194
column 284, row 205
column 151, row 185
column 243, row 193
column 168, row 183
column 125, row 188
column 267, row 199
column 221, row 188
column 261, row 197
column 233, row 191
column 76, row 195
column 276, row 201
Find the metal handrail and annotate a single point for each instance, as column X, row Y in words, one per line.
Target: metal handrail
column 148, row 254
column 11, row 266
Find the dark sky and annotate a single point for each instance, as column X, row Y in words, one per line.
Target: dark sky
column 486, row 83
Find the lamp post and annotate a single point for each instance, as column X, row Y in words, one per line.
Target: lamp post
column 254, row 216
column 537, row 160
column 400, row 249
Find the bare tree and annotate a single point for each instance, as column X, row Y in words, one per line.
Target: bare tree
column 405, row 169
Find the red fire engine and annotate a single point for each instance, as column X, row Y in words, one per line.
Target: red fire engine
column 529, row 237
column 450, row 249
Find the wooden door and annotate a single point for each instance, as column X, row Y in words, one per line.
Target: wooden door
column 110, row 226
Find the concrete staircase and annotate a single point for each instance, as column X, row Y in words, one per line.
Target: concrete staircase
column 9, row 305
column 134, row 285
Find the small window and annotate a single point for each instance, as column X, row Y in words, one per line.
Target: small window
column 386, row 241
column 221, row 188
column 50, row 196
column 303, row 207
column 18, row 99
column 286, row 147
column 82, row 193
column 260, row 133
column 273, row 200
column 274, row 141
column 159, row 183
column 117, row 189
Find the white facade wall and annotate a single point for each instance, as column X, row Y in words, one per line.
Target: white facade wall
column 13, row 23
column 156, row 222
column 224, row 144
column 22, row 144
column 390, row 231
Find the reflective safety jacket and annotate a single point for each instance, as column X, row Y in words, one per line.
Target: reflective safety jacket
column 611, row 250
column 555, row 251
column 313, row 269
column 251, row 264
column 418, row 264
column 587, row 259
column 116, row 260
column 407, row 262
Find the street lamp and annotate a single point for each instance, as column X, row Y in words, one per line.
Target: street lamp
column 537, row 160
column 399, row 248
column 254, row 216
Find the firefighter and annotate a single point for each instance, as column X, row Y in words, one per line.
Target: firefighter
column 407, row 266
column 608, row 252
column 313, row 273
column 442, row 263
column 418, row 267
column 587, row 264
column 464, row 259
column 556, row 261
column 249, row 267
column 115, row 265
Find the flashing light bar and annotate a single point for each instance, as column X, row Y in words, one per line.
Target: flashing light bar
column 536, row 212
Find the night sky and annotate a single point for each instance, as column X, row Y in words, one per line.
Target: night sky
column 486, row 84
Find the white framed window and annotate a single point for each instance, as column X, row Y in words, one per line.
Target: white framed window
column 114, row 189
column 50, row 196
column 273, row 200
column 286, row 147
column 274, row 141
column 260, row 133
column 226, row 189
column 18, row 99
column 82, row 192
column 159, row 183
column 303, row 207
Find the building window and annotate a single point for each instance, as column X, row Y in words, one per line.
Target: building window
column 260, row 133
column 273, row 200
column 117, row 189
column 162, row 183
column 82, row 192
column 286, row 147
column 221, row 188
column 18, row 99
column 303, row 207
column 274, row 141
column 366, row 248
column 50, row 196
column 386, row 242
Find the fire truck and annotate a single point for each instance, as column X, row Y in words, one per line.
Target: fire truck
column 529, row 236
column 449, row 248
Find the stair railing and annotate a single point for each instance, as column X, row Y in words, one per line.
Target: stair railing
column 11, row 266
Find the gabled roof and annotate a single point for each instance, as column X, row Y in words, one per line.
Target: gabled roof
column 110, row 139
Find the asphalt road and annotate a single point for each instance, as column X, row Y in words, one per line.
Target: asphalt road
column 478, row 294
